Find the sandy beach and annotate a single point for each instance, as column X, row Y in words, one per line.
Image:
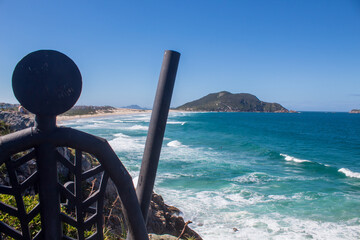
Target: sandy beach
column 117, row 111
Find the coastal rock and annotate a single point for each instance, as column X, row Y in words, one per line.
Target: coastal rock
column 17, row 120
column 7, row 106
column 165, row 219
column 161, row 237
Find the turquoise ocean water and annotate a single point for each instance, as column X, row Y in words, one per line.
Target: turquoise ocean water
column 251, row 175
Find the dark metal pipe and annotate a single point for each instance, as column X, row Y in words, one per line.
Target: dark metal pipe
column 48, row 192
column 45, row 123
column 156, row 130
column 48, row 181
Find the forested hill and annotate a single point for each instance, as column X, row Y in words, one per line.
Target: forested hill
column 228, row 102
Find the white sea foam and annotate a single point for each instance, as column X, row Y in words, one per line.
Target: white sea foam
column 175, row 122
column 176, row 151
column 167, row 176
column 349, row 173
column 140, row 118
column 255, row 177
column 179, row 114
column 138, row 127
column 126, row 121
column 278, row 197
column 135, row 118
column 215, row 214
column 98, row 124
column 125, row 143
column 276, row 226
column 245, row 197
column 175, row 144
column 293, row 159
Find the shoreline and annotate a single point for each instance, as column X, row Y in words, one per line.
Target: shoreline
column 118, row 111
column 121, row 111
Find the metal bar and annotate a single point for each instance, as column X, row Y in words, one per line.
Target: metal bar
column 19, row 141
column 156, row 130
column 9, row 209
column 100, row 205
column 112, row 166
column 92, row 172
column 10, row 231
column 79, row 194
column 35, row 211
column 48, row 192
column 29, row 181
column 24, row 159
column 5, row 190
column 19, row 200
column 48, row 181
column 64, row 162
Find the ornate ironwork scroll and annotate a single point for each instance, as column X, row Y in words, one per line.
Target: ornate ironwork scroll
column 48, row 83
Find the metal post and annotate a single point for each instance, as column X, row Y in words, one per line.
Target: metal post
column 48, row 182
column 47, row 83
column 156, row 130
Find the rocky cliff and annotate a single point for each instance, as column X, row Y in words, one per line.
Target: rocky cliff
column 17, row 120
column 228, row 102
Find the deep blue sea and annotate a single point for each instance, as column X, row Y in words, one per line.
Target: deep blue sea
column 251, row 175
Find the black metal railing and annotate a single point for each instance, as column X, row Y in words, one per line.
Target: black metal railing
column 48, row 83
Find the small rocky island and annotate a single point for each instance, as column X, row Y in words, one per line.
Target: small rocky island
column 355, row 111
column 228, row 102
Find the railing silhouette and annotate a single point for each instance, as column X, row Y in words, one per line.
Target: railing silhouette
column 48, row 83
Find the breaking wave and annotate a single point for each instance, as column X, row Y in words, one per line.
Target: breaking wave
column 293, row 159
column 175, row 122
column 125, row 143
column 349, row 173
column 175, row 144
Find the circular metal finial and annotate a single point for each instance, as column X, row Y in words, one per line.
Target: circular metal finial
column 47, row 82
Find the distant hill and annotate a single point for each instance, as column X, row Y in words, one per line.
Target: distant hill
column 86, row 110
column 355, row 111
column 136, row 107
column 228, row 102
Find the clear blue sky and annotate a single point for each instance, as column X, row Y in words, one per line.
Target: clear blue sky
column 303, row 54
